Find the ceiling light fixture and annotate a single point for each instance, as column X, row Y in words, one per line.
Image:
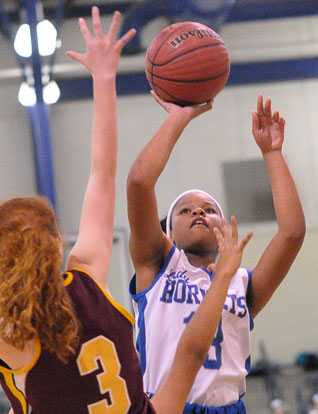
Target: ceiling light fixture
column 46, row 34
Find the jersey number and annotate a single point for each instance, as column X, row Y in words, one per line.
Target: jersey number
column 103, row 350
column 212, row 363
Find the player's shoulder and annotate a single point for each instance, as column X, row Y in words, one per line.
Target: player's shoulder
column 86, row 291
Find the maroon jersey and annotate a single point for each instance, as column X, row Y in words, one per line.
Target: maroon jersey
column 104, row 377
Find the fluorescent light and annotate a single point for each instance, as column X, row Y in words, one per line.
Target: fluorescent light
column 46, row 37
column 26, row 96
column 51, row 93
column 46, row 34
column 22, row 41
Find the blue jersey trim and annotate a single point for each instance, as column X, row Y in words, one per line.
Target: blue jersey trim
column 206, row 271
column 248, row 286
column 235, row 408
column 249, row 273
column 141, row 338
column 132, row 285
column 141, row 300
column 212, row 275
column 248, row 364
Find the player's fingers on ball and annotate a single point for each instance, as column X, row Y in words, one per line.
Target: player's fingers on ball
column 208, row 105
column 156, row 97
column 160, row 101
column 205, row 107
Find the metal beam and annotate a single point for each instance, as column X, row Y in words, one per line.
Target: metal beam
column 40, row 125
column 58, row 19
column 39, row 116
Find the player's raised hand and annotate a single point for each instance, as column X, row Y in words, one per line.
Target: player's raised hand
column 230, row 249
column 188, row 112
column 103, row 50
column 268, row 129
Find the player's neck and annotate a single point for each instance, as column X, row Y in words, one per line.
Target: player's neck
column 201, row 259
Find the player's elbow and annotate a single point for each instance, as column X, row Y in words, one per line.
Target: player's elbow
column 295, row 235
column 195, row 354
column 197, row 357
column 137, row 179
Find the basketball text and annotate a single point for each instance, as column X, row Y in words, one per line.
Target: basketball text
column 199, row 34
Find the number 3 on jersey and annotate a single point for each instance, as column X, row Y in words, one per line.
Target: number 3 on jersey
column 212, row 363
column 102, row 349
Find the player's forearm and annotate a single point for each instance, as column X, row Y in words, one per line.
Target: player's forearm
column 152, row 160
column 288, row 208
column 200, row 332
column 104, row 133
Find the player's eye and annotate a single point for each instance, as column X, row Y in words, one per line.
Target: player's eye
column 185, row 211
column 210, row 210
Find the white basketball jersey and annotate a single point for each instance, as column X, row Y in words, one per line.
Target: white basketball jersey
column 162, row 312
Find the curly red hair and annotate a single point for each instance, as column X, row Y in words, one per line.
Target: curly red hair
column 33, row 298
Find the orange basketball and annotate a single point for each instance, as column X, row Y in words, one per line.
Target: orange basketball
column 187, row 63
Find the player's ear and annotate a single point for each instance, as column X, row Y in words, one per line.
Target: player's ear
column 171, row 236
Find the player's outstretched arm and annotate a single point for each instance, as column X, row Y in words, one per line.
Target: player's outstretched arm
column 199, row 333
column 93, row 248
column 268, row 131
column 148, row 244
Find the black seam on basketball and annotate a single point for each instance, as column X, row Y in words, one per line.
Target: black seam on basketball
column 169, row 34
column 183, row 54
column 159, row 47
column 190, row 80
column 180, row 101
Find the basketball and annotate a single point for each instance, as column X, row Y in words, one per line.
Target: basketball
column 187, row 63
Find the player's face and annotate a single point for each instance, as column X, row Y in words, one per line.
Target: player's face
column 193, row 220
